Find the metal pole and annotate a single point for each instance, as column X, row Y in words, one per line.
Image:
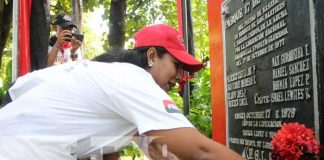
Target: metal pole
column 15, row 48
column 186, row 87
column 189, row 43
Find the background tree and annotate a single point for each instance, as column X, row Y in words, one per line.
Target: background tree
column 125, row 17
column 39, row 33
column 77, row 14
column 5, row 23
column 116, row 36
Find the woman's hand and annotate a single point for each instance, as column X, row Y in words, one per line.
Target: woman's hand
column 160, row 152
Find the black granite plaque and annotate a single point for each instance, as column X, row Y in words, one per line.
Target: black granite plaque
column 271, row 71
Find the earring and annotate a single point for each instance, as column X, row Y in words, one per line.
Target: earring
column 150, row 63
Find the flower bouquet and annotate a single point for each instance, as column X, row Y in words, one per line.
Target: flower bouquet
column 294, row 142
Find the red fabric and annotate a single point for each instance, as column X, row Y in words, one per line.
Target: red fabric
column 65, row 45
column 179, row 5
column 184, row 80
column 169, row 38
column 24, row 37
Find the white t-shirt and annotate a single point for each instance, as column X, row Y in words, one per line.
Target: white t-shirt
column 30, row 80
column 65, row 56
column 87, row 108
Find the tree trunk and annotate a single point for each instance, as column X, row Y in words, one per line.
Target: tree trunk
column 116, row 37
column 77, row 14
column 5, row 24
column 39, row 33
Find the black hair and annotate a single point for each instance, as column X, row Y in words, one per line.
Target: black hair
column 136, row 56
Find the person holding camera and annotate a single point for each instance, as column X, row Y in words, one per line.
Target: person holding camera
column 64, row 45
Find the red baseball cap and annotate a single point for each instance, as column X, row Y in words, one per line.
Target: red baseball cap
column 169, row 38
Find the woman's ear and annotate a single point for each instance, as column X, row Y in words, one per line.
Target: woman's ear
column 151, row 54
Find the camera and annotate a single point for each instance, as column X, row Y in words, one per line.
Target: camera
column 77, row 36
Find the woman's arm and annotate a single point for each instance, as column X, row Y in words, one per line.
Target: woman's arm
column 188, row 143
column 153, row 151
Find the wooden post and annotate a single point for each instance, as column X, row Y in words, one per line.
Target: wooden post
column 217, row 71
column 77, row 14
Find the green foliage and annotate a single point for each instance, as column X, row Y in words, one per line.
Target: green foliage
column 200, row 106
column 200, row 25
column 60, row 6
column 5, row 67
column 89, row 6
column 5, row 76
column 200, row 111
column 145, row 12
column 138, row 14
column 133, row 151
column 94, row 39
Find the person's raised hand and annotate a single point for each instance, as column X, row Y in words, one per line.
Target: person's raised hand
column 75, row 44
column 63, row 36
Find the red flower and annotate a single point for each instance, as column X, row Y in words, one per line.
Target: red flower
column 294, row 141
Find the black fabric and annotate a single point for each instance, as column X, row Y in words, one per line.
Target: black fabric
column 52, row 41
